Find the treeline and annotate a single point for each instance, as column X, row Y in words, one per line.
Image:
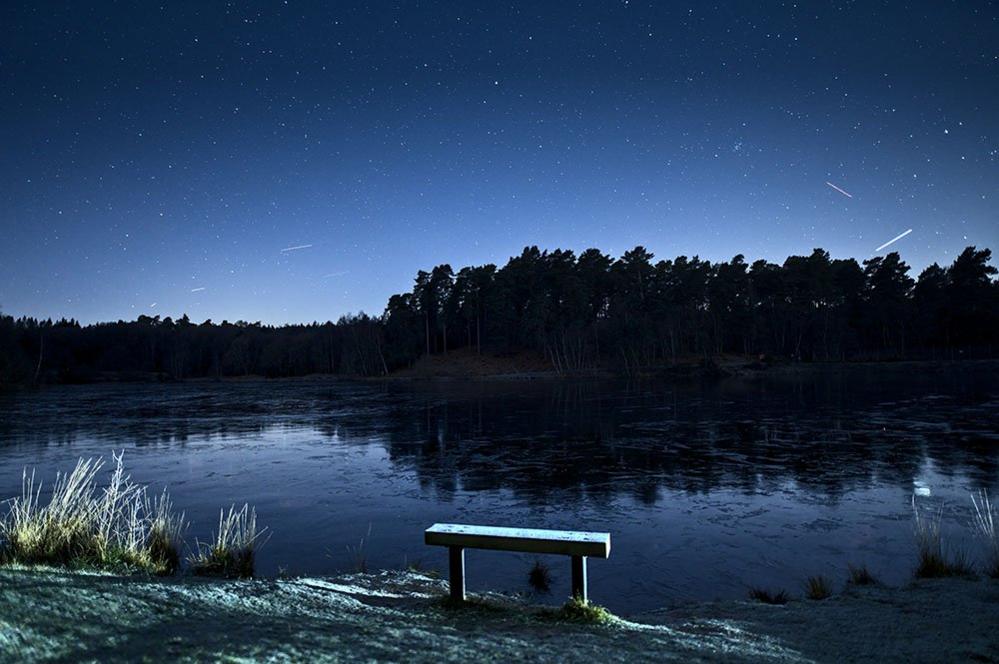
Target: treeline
column 580, row 312
column 63, row 351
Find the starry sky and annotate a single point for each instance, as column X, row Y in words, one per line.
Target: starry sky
column 294, row 161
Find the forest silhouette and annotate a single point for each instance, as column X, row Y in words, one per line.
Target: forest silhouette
column 579, row 313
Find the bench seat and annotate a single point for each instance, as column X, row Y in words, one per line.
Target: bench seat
column 526, row 540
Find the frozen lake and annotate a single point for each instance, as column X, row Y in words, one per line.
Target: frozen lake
column 705, row 488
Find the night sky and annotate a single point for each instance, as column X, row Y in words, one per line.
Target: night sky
column 293, row 161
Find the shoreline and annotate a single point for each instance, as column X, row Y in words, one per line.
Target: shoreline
column 712, row 369
column 394, row 616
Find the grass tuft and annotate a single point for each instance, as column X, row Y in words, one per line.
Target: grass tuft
column 577, row 610
column 861, row 576
column 540, row 577
column 166, row 535
column 768, row 597
column 116, row 528
column 932, row 562
column 818, row 587
column 233, row 552
column 358, row 554
column 984, row 524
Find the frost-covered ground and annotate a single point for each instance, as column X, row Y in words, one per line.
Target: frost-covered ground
column 394, row 616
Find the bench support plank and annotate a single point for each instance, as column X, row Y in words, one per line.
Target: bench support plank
column 579, row 578
column 456, row 572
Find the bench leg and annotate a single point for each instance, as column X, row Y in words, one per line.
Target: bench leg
column 456, row 571
column 579, row 578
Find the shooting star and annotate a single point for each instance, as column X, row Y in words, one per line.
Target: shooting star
column 893, row 240
column 301, row 246
column 197, row 290
column 153, row 305
column 334, row 274
column 845, row 193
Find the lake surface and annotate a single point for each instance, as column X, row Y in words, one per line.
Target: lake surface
column 706, row 488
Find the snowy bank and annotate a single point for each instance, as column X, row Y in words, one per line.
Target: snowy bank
column 397, row 616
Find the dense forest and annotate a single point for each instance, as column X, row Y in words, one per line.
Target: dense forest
column 580, row 313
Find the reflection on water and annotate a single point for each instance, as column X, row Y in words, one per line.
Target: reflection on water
column 706, row 488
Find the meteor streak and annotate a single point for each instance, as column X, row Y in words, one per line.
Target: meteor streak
column 894, row 239
column 197, row 290
column 845, row 193
column 296, row 248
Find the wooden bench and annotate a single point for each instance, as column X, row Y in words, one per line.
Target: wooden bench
column 457, row 538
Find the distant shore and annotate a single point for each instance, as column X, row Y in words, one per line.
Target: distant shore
column 400, row 616
column 463, row 366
